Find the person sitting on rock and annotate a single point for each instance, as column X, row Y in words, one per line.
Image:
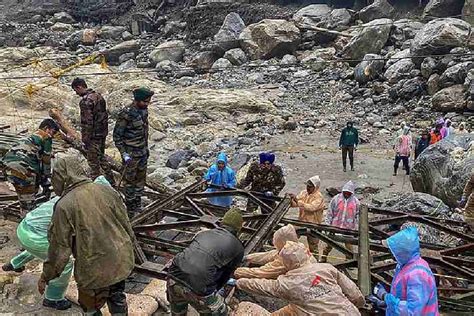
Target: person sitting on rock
column 221, row 175
column 309, row 287
column 422, row 143
column 403, row 151
column 311, row 207
column 265, row 177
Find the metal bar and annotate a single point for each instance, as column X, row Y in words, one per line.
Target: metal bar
column 445, row 229
column 167, row 226
column 364, row 252
column 459, row 261
column 265, row 208
column 320, row 227
column 457, row 250
column 465, row 273
column 150, row 269
column 389, row 220
column 194, row 206
column 332, row 243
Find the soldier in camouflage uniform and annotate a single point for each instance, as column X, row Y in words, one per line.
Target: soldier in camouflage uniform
column 94, row 128
column 264, row 177
column 131, row 139
column 28, row 164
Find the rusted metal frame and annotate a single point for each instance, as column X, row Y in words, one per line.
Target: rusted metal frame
column 351, row 263
column 383, row 267
column 265, row 208
column 162, row 242
column 167, row 226
column 389, row 220
column 463, row 272
column 376, row 231
column 457, row 250
column 363, row 271
column 328, row 240
column 195, row 207
column 179, row 215
column 452, row 304
column 379, row 278
column 454, row 289
column 152, row 208
column 320, row 227
column 233, row 192
column 263, row 233
column 152, row 270
column 459, row 261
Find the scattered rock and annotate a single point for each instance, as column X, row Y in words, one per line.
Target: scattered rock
column 113, row 54
column 126, row 36
column 400, row 70
column 428, row 67
column 338, row 19
column 311, row 16
column 62, row 27
column 228, row 35
column 236, row 56
column 270, row 38
column 125, row 57
column 288, row 60
column 221, row 63
column 370, row 68
column 443, row 8
column 178, row 157
column 172, row 51
column 433, row 84
column 377, row 10
column 449, row 99
column 403, row 31
column 203, row 60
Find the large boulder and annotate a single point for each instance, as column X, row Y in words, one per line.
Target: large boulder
column 228, row 35
column 377, row 10
column 113, row 54
column 370, row 40
column 439, row 37
column 203, row 60
column 403, row 31
column 443, row 8
column 111, row 32
column 443, row 168
column 468, row 12
column 399, row 70
column 408, row 89
column 338, row 19
column 370, row 68
column 449, row 99
column 236, row 56
column 311, row 16
column 270, row 38
column 172, row 51
column 456, row 74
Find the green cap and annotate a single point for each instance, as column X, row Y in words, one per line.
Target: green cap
column 141, row 94
column 233, row 218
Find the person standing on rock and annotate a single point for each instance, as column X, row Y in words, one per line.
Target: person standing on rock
column 435, row 134
column 348, row 143
column 28, row 164
column 198, row 273
column 90, row 223
column 264, row 177
column 131, row 139
column 403, row 149
column 343, row 212
column 221, row 175
column 94, row 128
column 467, row 202
column 311, row 206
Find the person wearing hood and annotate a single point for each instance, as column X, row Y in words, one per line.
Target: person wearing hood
column 309, row 287
column 221, row 175
column 413, row 290
column 86, row 215
column 343, row 212
column 348, row 142
column 264, row 177
column 449, row 128
column 435, row 134
column 196, row 274
column 311, row 207
column 403, row 149
column 461, row 129
column 422, row 143
column 269, row 263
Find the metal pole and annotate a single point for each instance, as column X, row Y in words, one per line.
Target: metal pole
column 364, row 252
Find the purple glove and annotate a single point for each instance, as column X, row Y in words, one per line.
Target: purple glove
column 126, row 158
column 462, row 202
column 379, row 291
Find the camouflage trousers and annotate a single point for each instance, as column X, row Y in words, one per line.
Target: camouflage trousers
column 92, row 301
column 95, row 154
column 25, row 182
column 135, row 180
column 180, row 297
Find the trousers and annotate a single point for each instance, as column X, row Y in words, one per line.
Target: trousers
column 406, row 163
column 26, row 184
column 135, row 180
column 92, row 301
column 95, row 154
column 347, row 150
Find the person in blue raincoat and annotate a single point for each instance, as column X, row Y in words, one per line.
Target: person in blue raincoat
column 221, row 175
column 413, row 290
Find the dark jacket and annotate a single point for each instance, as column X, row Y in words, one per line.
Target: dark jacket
column 208, row 262
column 94, row 117
column 349, row 137
column 421, row 145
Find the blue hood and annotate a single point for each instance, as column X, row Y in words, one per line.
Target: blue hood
column 405, row 245
column 222, row 157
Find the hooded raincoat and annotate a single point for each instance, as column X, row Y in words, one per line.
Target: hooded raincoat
column 310, row 288
column 271, row 264
column 311, row 206
column 344, row 213
column 413, row 290
column 90, row 222
column 224, row 178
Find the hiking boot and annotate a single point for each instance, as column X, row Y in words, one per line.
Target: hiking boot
column 59, row 305
column 9, row 267
column 344, row 169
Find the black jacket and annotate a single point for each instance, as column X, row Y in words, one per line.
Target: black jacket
column 208, row 262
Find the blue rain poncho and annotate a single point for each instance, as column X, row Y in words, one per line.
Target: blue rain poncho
column 224, row 178
column 413, row 290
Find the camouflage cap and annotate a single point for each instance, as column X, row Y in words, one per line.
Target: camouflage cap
column 141, row 94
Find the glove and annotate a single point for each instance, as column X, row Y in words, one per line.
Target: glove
column 268, row 194
column 462, row 202
column 231, row 282
column 379, row 291
column 126, row 158
column 377, row 302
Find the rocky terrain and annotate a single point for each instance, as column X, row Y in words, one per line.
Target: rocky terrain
column 242, row 77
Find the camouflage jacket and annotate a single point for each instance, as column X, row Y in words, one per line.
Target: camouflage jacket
column 94, row 117
column 33, row 153
column 131, row 132
column 263, row 180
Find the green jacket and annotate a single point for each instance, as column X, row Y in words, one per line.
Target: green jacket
column 90, row 222
column 349, row 137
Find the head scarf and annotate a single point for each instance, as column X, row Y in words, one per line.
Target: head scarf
column 315, row 181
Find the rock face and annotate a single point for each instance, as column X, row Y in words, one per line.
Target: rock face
column 370, row 40
column 443, row 8
column 443, row 169
column 270, row 38
column 203, row 60
column 449, row 99
column 377, row 10
column 440, row 36
column 172, row 51
column 228, row 35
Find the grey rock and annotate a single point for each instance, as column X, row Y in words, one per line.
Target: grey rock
column 236, row 56
column 433, row 84
column 338, row 19
column 197, row 164
column 469, row 84
column 116, row 51
column 443, row 8
column 157, row 136
column 456, row 74
column 449, row 99
column 398, row 56
column 290, row 125
column 438, row 173
column 36, row 18
column 403, row 31
column 228, row 35
column 111, row 32
column 178, row 157
column 63, row 17
column 221, row 63
column 62, row 27
column 311, row 16
column 129, row 64
column 270, row 38
column 428, row 67
column 408, row 89
column 415, row 203
column 126, row 36
column 172, row 51
column 399, row 70
column 127, row 56
column 288, row 60
column 239, row 160
column 397, row 110
column 370, row 40
column 370, row 68
column 203, row 60
column 377, row 10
